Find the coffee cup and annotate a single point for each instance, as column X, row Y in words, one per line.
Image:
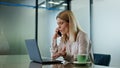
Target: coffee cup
column 82, row 58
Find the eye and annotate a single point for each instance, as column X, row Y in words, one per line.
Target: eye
column 61, row 23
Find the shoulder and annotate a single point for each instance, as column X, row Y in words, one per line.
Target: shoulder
column 82, row 38
column 81, row 34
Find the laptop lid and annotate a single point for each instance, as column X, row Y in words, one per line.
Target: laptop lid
column 34, row 53
column 33, row 50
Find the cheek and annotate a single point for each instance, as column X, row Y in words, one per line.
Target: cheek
column 65, row 28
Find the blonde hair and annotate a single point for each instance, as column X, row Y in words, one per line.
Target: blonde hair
column 74, row 28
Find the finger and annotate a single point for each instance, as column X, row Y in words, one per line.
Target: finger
column 64, row 48
column 54, row 57
column 57, row 29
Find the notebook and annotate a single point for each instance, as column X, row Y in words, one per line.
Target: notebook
column 34, row 52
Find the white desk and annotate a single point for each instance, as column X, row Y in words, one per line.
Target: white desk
column 23, row 61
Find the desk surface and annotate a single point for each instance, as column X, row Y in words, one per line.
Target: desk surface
column 23, row 61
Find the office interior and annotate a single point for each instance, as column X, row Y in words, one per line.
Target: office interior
column 98, row 18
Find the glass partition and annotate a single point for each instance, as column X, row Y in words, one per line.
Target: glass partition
column 17, row 23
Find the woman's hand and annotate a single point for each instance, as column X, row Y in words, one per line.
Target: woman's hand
column 56, row 55
column 55, row 36
column 62, row 52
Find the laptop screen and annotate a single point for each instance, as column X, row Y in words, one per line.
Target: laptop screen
column 33, row 50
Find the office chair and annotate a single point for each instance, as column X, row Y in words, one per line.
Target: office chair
column 102, row 59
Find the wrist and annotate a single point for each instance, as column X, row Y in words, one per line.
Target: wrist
column 54, row 37
column 59, row 53
column 62, row 54
column 54, row 40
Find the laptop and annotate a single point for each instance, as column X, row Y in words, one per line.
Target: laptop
column 34, row 52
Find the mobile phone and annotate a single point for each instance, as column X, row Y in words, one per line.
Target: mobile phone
column 59, row 33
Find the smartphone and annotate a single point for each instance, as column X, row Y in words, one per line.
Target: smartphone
column 59, row 33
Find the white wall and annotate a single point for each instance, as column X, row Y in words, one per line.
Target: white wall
column 106, row 25
column 80, row 9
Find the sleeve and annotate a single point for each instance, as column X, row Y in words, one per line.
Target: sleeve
column 55, row 48
column 69, row 57
column 83, row 43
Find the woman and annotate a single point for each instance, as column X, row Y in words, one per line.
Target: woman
column 73, row 41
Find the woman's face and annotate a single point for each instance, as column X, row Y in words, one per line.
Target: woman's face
column 63, row 26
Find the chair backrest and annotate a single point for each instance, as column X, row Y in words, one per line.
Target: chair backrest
column 102, row 59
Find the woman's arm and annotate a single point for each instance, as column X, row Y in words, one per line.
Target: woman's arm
column 54, row 47
column 57, row 50
column 83, row 42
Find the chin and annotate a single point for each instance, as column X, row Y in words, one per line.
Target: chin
column 63, row 33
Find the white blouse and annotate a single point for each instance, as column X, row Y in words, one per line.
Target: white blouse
column 80, row 46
